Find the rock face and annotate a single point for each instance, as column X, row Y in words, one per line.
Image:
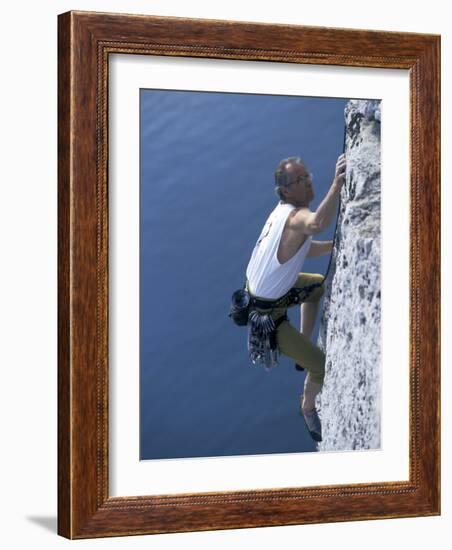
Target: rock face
column 349, row 405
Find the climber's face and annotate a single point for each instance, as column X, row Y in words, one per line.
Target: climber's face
column 299, row 191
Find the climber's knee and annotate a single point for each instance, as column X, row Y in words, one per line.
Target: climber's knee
column 299, row 347
column 317, row 293
column 308, row 279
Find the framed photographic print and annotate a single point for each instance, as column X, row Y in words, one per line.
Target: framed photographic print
column 248, row 274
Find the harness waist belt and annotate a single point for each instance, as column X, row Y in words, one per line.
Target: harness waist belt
column 293, row 296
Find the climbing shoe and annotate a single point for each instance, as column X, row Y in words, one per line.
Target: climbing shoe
column 313, row 424
column 298, row 367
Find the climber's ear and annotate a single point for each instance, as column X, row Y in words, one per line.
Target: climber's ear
column 284, row 191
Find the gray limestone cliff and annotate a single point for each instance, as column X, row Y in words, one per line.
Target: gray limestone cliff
column 349, row 405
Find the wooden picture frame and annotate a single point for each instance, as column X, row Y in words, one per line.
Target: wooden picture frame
column 85, row 41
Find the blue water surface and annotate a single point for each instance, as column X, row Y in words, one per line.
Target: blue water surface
column 207, row 186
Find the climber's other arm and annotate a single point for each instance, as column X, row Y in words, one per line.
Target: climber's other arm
column 320, row 248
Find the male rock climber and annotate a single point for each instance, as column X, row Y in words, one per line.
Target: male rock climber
column 274, row 268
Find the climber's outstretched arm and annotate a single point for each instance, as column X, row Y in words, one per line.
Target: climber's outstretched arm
column 327, row 208
column 310, row 223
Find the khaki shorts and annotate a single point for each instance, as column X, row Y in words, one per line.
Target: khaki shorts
column 292, row 342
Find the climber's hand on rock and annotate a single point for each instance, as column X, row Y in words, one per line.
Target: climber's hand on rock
column 339, row 176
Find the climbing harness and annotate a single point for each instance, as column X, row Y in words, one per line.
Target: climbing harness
column 256, row 313
column 243, row 302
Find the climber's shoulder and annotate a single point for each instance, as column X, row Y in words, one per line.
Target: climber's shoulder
column 304, row 220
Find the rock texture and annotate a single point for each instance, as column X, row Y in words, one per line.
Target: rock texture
column 349, row 405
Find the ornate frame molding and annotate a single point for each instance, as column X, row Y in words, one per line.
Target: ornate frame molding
column 85, row 42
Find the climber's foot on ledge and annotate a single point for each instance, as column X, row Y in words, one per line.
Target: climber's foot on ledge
column 298, row 367
column 313, row 424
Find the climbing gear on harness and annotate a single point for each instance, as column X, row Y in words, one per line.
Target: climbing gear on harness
column 240, row 304
column 262, row 344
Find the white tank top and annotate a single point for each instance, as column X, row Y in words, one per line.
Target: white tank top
column 267, row 278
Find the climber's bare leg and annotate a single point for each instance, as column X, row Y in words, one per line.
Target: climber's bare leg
column 309, row 312
column 311, row 418
column 311, row 390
